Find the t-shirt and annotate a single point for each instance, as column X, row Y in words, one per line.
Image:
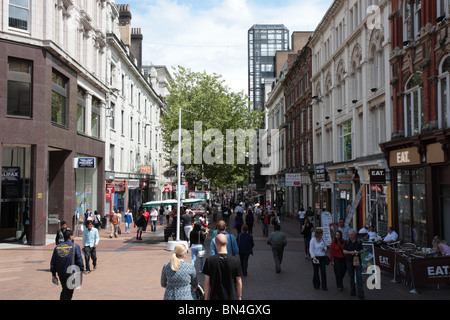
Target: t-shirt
column 222, row 270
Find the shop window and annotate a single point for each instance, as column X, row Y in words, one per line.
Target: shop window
column 413, row 106
column 411, row 206
column 19, row 14
column 59, row 97
column 445, row 211
column 19, row 87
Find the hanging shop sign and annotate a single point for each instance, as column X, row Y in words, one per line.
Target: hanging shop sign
column 377, row 176
column 320, row 173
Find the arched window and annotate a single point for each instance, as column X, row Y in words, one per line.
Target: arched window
column 340, row 78
column 328, row 96
column 443, row 96
column 413, row 105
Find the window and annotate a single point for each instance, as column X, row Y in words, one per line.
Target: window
column 81, row 109
column 411, row 202
column 443, row 96
column 413, row 106
column 59, row 96
column 19, row 87
column 19, row 14
column 442, row 8
column 95, row 117
column 111, row 157
column 411, row 19
column 345, row 141
column 112, row 115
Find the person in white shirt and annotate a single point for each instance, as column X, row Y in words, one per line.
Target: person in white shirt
column 153, row 219
column 363, row 230
column 301, row 216
column 90, row 242
column 372, row 234
column 392, row 236
column 317, row 250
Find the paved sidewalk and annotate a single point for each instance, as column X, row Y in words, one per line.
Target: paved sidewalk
column 129, row 269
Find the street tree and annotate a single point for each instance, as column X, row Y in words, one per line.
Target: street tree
column 209, row 111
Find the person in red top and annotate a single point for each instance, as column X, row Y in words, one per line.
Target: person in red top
column 146, row 216
column 338, row 259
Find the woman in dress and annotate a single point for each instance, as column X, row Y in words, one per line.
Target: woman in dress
column 178, row 276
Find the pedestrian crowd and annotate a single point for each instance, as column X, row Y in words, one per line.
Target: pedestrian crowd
column 229, row 254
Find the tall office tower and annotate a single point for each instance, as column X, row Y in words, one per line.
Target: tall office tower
column 264, row 40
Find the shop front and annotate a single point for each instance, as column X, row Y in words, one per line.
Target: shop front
column 421, row 192
column 15, row 192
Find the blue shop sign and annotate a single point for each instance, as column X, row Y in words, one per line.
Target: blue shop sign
column 86, row 162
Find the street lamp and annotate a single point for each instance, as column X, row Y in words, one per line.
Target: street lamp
column 171, row 244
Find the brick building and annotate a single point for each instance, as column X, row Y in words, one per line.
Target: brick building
column 418, row 152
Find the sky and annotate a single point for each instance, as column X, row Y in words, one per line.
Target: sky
column 211, row 35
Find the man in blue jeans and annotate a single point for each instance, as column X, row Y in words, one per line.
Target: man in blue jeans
column 352, row 250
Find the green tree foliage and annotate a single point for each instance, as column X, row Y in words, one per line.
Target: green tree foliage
column 206, row 98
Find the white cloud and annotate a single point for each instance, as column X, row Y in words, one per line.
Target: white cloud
column 213, row 38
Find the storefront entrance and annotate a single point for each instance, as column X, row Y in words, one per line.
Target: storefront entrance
column 16, row 168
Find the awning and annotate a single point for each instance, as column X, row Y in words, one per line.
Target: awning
column 172, row 202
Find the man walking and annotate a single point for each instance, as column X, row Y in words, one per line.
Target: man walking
column 278, row 241
column 352, row 251
column 222, row 273
column 90, row 242
column 68, row 264
column 114, row 221
column 232, row 246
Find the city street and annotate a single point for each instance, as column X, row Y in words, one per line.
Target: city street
column 130, row 270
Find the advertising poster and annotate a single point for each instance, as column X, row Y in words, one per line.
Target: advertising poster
column 367, row 257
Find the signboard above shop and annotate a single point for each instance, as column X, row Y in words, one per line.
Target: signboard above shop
column 293, row 179
column 84, row 163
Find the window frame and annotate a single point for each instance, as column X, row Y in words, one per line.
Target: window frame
column 409, row 111
column 28, row 9
column 342, row 140
column 60, row 91
column 443, row 75
column 20, row 77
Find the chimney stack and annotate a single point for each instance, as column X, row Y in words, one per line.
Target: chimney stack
column 136, row 45
column 125, row 23
column 132, row 37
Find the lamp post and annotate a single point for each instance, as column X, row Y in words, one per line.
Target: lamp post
column 171, row 244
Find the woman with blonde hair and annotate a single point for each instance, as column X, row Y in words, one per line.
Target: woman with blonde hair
column 178, row 276
column 317, row 250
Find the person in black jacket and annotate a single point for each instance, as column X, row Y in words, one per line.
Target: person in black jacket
column 197, row 239
column 67, row 263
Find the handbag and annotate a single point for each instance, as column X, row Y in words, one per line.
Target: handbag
column 356, row 262
column 327, row 260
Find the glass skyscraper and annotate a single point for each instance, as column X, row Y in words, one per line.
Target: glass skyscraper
column 264, row 40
